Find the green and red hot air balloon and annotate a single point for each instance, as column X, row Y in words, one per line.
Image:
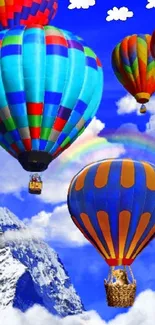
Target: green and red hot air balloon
column 134, row 67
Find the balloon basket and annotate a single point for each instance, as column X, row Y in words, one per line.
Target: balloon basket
column 143, row 109
column 120, row 295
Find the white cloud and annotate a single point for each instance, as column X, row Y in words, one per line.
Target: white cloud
column 128, row 105
column 21, row 234
column 151, row 4
column 57, row 226
column 119, row 14
column 142, row 313
column 87, row 148
column 150, row 126
column 40, row 316
column 78, row 4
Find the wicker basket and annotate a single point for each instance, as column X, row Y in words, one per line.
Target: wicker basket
column 120, row 295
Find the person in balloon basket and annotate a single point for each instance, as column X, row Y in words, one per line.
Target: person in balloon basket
column 36, row 178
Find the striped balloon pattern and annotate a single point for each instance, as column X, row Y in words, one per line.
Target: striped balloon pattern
column 134, row 66
column 152, row 45
column 26, row 12
column 51, row 86
column 112, row 202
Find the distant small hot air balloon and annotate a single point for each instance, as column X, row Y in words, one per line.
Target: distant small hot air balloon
column 51, row 86
column 26, row 12
column 134, row 67
column 112, row 202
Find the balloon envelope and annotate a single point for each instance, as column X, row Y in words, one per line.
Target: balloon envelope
column 152, row 45
column 112, row 202
column 26, row 12
column 134, row 66
column 50, row 89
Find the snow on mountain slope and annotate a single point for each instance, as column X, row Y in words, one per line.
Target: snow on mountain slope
column 10, row 272
column 50, row 279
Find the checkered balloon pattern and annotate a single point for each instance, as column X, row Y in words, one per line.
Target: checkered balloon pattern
column 26, row 12
column 51, row 86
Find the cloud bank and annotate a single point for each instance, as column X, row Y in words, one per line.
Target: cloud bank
column 143, row 312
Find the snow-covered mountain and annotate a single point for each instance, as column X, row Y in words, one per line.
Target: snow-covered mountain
column 32, row 273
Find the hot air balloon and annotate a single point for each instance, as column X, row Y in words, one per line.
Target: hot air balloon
column 50, row 88
column 112, row 202
column 152, row 45
column 26, row 12
column 134, row 67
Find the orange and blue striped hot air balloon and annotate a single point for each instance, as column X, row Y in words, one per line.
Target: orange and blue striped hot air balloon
column 134, row 67
column 112, row 202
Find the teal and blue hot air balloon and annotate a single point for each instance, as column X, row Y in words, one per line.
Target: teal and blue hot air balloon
column 50, row 89
column 112, row 202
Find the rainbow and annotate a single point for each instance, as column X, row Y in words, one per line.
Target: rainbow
column 138, row 146
column 135, row 140
column 89, row 148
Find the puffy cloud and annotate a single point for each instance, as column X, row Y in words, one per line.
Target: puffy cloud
column 22, row 234
column 128, row 105
column 78, row 4
column 143, row 312
column 38, row 315
column 119, row 14
column 151, row 4
column 56, row 226
column 87, row 148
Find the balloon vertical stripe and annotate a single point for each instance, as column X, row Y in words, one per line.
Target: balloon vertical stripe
column 86, row 221
column 143, row 223
column 102, row 174
column 147, row 239
column 85, row 235
column 124, row 223
column 103, row 221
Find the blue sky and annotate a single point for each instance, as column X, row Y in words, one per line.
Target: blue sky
column 85, row 267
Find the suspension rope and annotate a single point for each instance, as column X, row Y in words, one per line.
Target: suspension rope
column 126, row 273
column 131, row 273
column 110, row 275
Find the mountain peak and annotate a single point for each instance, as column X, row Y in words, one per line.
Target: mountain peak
column 45, row 269
column 7, row 218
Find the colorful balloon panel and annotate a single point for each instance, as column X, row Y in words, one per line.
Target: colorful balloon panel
column 134, row 66
column 152, row 45
column 112, row 202
column 50, row 89
column 26, row 12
